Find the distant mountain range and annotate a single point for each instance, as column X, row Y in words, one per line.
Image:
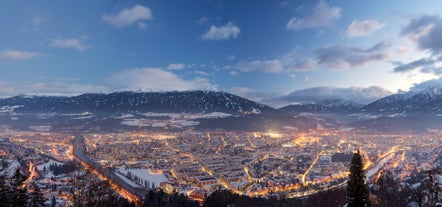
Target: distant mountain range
column 144, row 110
column 413, row 111
column 137, row 102
column 427, row 102
column 328, row 106
column 216, row 110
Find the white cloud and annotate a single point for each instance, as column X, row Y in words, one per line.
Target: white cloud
column 7, row 55
column 202, row 73
column 267, row 66
column 292, row 76
column 234, row 73
column 305, row 79
column 36, row 21
column 137, row 14
column 73, row 43
column 176, row 66
column 319, row 94
column 344, row 57
column 155, row 79
column 265, row 97
column 222, row 32
column 363, row 28
column 60, row 87
column 321, row 15
column 203, row 20
column 288, row 63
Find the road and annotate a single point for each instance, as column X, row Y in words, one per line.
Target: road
column 130, row 192
column 369, row 173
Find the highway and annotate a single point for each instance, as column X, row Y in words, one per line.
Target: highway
column 129, row 192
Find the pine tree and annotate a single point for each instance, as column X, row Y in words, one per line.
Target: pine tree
column 17, row 194
column 37, row 198
column 357, row 191
column 4, row 188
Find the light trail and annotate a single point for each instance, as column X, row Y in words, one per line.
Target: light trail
column 32, row 171
column 310, row 167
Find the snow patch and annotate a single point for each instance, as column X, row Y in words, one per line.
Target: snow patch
column 144, row 177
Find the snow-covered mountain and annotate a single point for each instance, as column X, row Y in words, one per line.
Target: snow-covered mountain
column 425, row 102
column 136, row 102
column 334, row 106
column 122, row 111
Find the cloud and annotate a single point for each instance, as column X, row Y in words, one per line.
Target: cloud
column 234, row 73
column 319, row 94
column 149, row 79
column 73, row 43
column 176, row 66
column 255, row 95
column 343, row 57
column 288, row 63
column 60, row 87
column 322, row 15
column 36, row 21
column 155, row 79
column 305, row 79
column 267, row 66
column 202, row 73
column 136, row 15
column 363, row 28
column 426, row 33
column 203, row 20
column 424, row 65
column 426, row 84
column 16, row 55
column 227, row 31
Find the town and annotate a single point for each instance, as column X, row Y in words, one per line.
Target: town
column 196, row 163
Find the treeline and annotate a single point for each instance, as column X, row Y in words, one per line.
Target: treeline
column 57, row 169
column 420, row 190
column 223, row 198
column 157, row 198
column 14, row 192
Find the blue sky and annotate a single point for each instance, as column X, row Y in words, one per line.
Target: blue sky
column 255, row 48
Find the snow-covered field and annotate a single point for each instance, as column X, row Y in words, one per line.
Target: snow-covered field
column 175, row 120
column 144, row 175
column 189, row 116
column 43, row 128
column 10, row 170
column 9, row 109
column 48, row 174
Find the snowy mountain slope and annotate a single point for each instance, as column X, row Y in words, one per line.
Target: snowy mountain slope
column 333, row 106
column 136, row 102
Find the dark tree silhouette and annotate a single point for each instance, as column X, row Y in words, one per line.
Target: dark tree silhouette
column 36, row 196
column 4, row 189
column 17, row 194
column 357, row 191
